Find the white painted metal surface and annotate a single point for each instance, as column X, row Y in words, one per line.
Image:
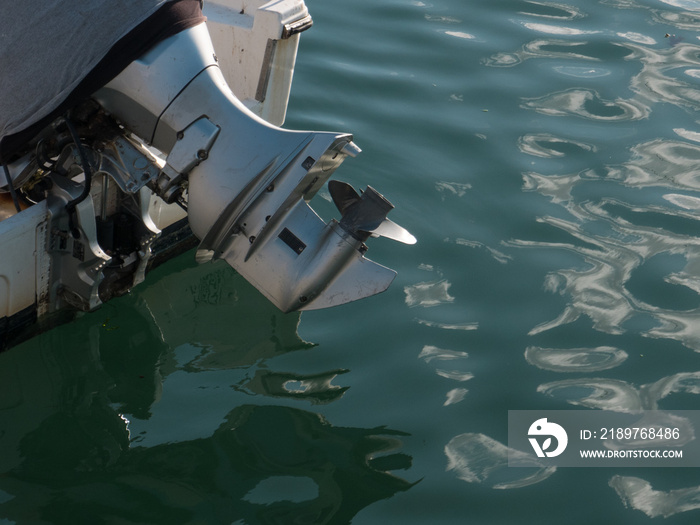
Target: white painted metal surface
column 22, row 237
column 255, row 55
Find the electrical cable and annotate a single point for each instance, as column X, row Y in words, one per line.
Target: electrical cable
column 11, row 186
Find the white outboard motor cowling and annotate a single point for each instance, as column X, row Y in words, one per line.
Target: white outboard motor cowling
column 248, row 183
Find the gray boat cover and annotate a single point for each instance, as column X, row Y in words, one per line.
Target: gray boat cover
column 48, row 46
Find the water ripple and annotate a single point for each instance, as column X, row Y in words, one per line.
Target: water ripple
column 637, row 38
column 442, row 19
column 690, row 5
column 428, row 294
column 449, row 326
column 547, row 145
column 315, row 388
column 688, row 20
column 556, row 187
column 575, row 359
column 496, row 254
column 555, row 29
column 458, row 189
column 429, row 353
column 638, row 493
column 477, row 458
column 605, row 394
column 582, row 72
column 455, row 396
column 461, row 34
column 661, row 162
column 660, row 79
column 620, row 396
column 454, row 372
column 587, row 103
column 616, row 239
column 596, row 291
column 549, row 49
column 553, row 10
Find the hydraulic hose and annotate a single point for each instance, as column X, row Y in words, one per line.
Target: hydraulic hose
column 84, row 163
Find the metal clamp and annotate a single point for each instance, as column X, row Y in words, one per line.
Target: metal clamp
column 192, row 147
column 127, row 165
column 297, row 26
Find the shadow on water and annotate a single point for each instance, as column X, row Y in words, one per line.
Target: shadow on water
column 165, row 410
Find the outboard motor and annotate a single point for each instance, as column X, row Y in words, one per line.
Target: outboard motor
column 139, row 117
column 246, row 183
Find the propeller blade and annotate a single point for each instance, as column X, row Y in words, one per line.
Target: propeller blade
column 368, row 213
column 365, row 215
column 343, row 195
column 391, row 230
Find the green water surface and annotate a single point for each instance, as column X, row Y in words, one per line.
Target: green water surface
column 545, row 155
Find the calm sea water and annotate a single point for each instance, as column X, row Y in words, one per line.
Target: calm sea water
column 545, row 154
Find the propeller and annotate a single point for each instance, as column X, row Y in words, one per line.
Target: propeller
column 365, row 215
